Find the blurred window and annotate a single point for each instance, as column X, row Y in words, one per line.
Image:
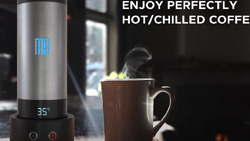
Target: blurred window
column 97, row 27
column 97, row 5
column 95, row 60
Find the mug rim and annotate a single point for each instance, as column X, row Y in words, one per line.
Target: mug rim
column 133, row 79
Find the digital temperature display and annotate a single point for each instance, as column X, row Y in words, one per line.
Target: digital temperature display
column 43, row 111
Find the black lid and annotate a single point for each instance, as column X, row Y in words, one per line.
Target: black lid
column 23, row 1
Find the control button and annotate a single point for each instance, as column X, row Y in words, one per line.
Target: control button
column 52, row 136
column 33, row 136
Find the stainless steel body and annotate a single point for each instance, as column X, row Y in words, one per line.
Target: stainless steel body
column 42, row 77
column 42, row 73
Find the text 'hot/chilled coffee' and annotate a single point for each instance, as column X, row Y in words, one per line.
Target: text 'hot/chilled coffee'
column 198, row 18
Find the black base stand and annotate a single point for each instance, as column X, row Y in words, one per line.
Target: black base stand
column 42, row 130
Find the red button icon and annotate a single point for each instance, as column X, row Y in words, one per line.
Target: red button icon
column 52, row 136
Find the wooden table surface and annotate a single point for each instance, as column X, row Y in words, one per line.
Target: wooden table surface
column 88, row 119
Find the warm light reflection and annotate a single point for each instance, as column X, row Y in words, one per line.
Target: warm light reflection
column 225, row 138
column 68, row 17
column 218, row 137
column 221, row 137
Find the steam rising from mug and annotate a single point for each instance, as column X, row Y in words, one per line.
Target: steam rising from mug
column 134, row 59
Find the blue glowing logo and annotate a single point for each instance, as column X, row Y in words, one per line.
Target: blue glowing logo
column 41, row 46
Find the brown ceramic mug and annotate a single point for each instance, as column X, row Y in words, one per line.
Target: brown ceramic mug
column 128, row 109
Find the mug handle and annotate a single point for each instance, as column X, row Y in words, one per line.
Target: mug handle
column 153, row 93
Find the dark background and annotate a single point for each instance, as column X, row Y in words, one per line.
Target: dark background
column 208, row 67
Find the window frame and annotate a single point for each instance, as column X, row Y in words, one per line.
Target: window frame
column 109, row 19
